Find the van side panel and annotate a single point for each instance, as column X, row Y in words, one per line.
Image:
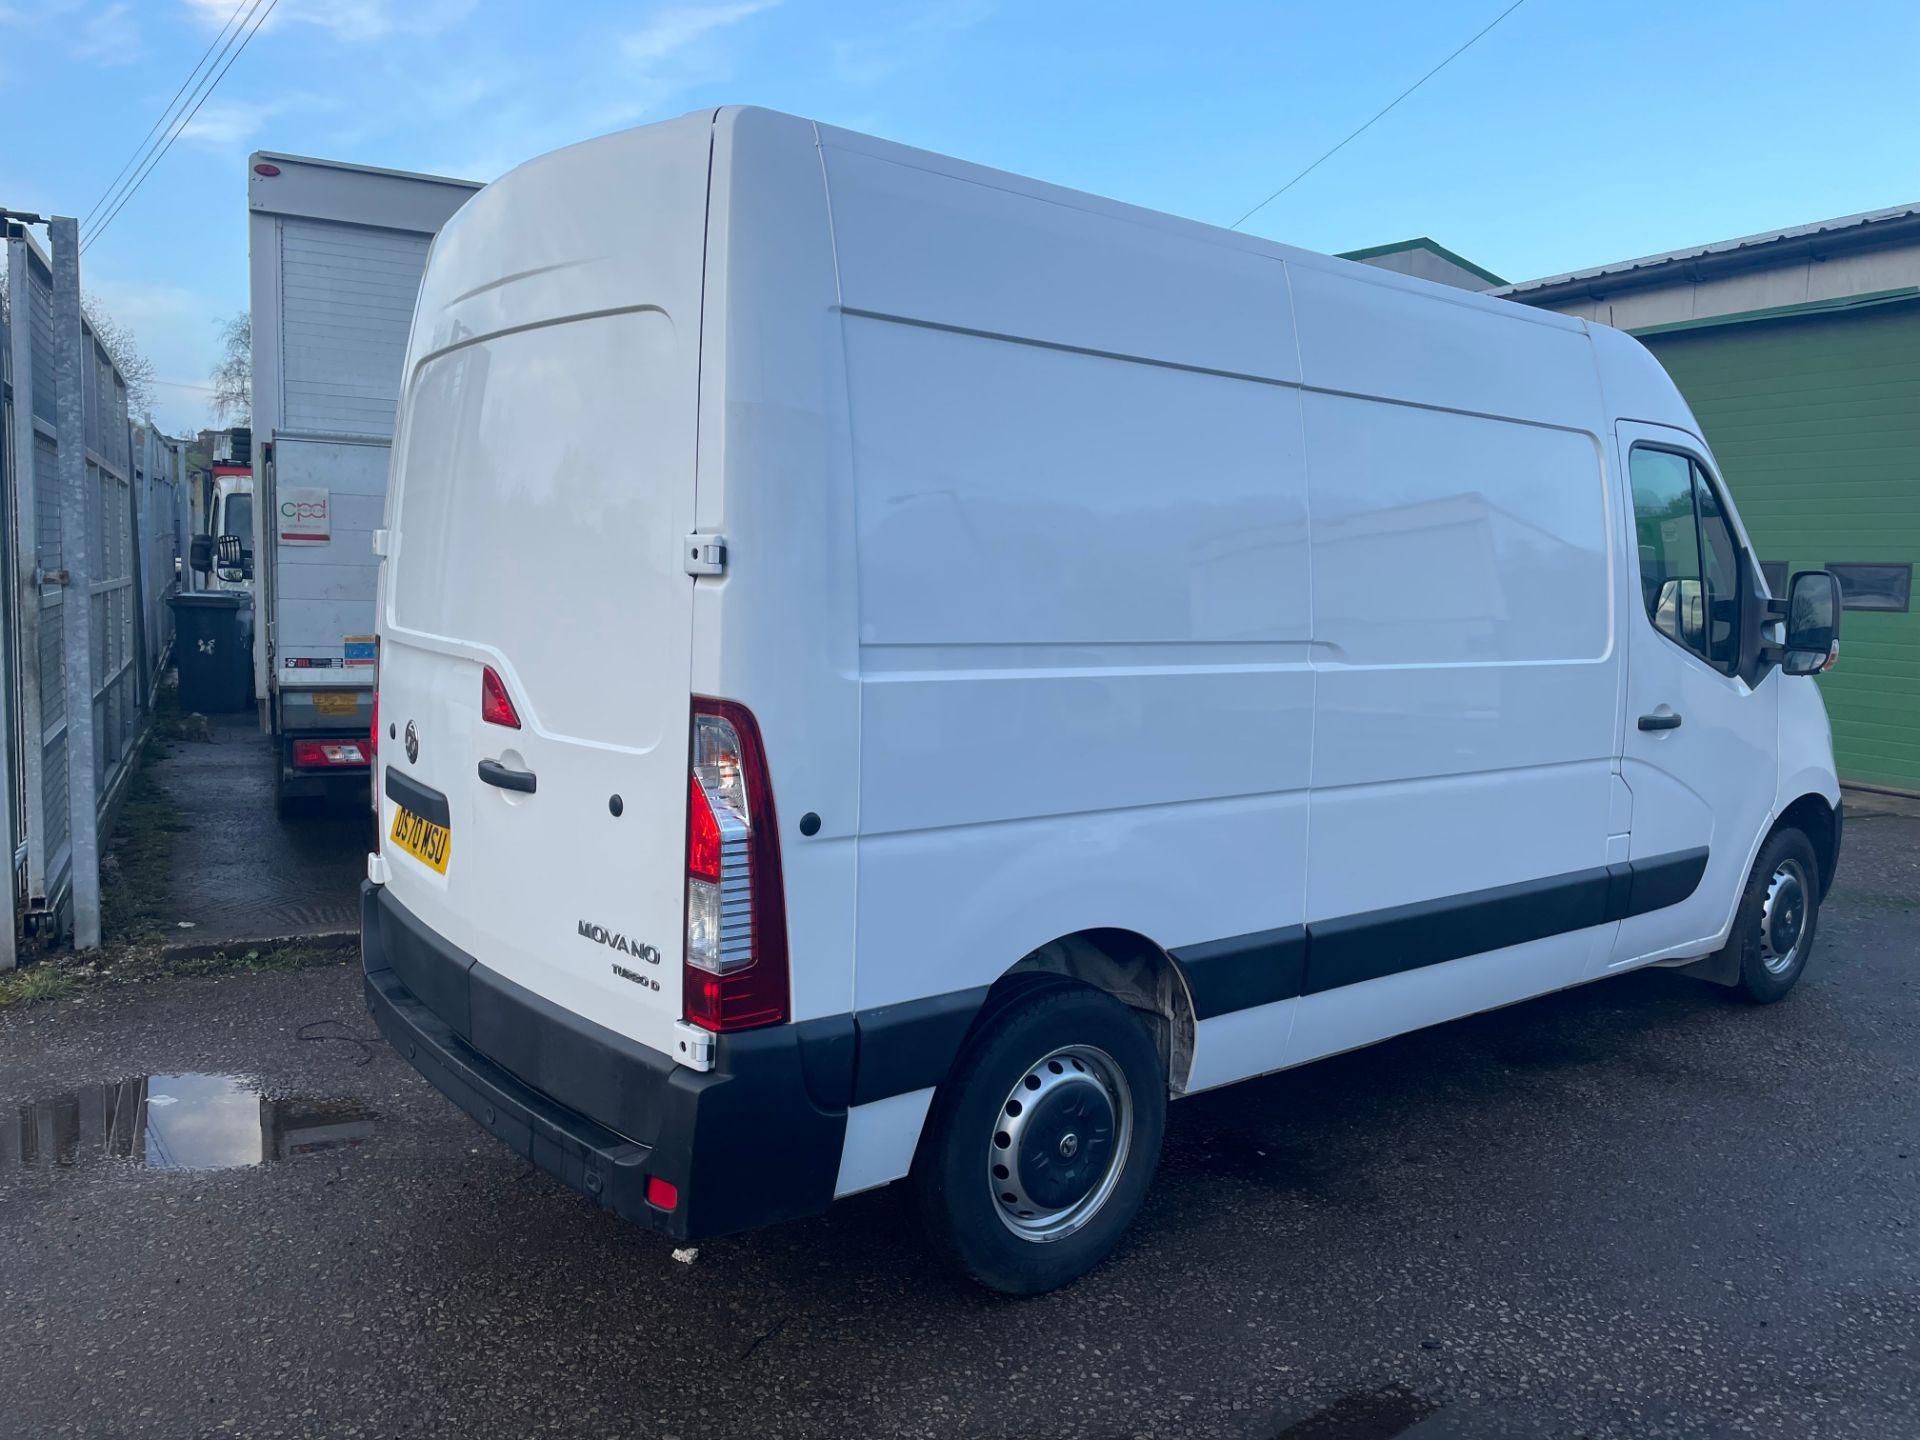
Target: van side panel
column 1083, row 580
column 777, row 632
column 1468, row 675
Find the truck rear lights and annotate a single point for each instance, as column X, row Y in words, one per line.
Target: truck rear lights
column 736, row 956
column 496, row 708
column 323, row 754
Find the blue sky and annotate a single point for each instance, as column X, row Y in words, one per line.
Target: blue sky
column 1577, row 132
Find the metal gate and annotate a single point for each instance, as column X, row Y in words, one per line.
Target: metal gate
column 89, row 559
column 38, row 550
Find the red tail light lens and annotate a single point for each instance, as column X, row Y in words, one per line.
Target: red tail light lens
column 495, row 706
column 735, row 973
column 329, row 753
column 703, row 835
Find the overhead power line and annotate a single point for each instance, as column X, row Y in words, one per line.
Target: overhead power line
column 258, row 15
column 139, row 150
column 1378, row 115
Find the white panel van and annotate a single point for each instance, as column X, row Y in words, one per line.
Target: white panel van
column 892, row 669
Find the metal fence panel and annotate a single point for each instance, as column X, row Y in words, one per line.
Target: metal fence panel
column 94, row 530
column 14, row 833
column 160, row 483
column 40, row 550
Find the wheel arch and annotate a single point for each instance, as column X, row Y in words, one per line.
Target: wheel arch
column 1125, row 964
column 1816, row 818
column 1819, row 821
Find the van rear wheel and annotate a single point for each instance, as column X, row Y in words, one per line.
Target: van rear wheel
column 1773, row 933
column 1043, row 1140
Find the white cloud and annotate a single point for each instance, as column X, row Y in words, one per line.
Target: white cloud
column 230, row 125
column 919, row 39
column 351, row 21
column 673, row 52
column 675, row 27
column 109, row 37
column 678, row 47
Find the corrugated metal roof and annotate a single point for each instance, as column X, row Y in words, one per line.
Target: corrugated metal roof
column 1847, row 225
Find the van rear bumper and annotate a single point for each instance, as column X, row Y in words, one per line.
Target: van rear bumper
column 755, row 1140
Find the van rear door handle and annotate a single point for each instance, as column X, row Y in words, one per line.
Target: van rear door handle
column 1660, row 722
column 494, row 773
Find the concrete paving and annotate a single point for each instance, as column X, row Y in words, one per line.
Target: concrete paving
column 240, row 872
column 1634, row 1209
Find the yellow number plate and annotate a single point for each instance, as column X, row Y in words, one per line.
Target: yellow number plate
column 336, row 702
column 421, row 838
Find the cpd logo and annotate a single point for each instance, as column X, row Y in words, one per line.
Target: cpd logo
column 303, row 512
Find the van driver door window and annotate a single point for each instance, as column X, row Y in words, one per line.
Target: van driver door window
column 1689, row 565
column 1668, row 533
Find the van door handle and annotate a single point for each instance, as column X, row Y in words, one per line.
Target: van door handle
column 1656, row 722
column 494, row 773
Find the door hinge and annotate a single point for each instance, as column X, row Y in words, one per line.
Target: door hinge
column 693, row 1045
column 706, row 554
column 380, row 543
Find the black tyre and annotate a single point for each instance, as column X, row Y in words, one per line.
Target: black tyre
column 1043, row 1140
column 1774, row 931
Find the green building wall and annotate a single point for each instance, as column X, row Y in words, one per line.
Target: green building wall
column 1814, row 416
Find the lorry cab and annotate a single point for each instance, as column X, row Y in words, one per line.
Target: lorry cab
column 231, row 519
column 856, row 703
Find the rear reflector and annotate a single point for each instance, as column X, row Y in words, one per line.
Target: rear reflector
column 495, row 707
column 329, row 753
column 662, row 1194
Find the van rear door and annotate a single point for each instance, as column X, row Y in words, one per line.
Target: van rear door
column 543, row 485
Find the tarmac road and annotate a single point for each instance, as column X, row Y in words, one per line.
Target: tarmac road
column 1634, row 1209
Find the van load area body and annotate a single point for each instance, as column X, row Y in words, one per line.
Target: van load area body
column 888, row 666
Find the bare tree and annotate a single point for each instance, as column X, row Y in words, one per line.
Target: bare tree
column 119, row 342
column 232, row 373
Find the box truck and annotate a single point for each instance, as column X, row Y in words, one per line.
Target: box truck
column 891, row 669
column 335, row 253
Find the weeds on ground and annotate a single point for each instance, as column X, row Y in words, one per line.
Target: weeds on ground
column 139, row 858
column 35, row 984
column 170, row 722
column 57, row 976
column 156, row 963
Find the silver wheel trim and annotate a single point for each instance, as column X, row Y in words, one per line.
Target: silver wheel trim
column 1783, row 917
column 1076, row 1065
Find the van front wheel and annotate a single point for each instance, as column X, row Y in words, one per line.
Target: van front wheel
column 1043, row 1140
column 1773, row 933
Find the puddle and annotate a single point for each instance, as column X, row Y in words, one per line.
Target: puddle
column 178, row 1122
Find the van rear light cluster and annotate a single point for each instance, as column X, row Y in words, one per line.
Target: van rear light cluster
column 322, row 753
column 736, row 957
column 496, row 706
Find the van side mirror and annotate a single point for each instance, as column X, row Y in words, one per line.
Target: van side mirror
column 1813, row 623
column 200, row 555
column 234, row 559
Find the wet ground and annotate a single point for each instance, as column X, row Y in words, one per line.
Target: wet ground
column 240, row 871
column 1635, row 1209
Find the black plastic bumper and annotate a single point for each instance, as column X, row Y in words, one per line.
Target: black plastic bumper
column 755, row 1140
